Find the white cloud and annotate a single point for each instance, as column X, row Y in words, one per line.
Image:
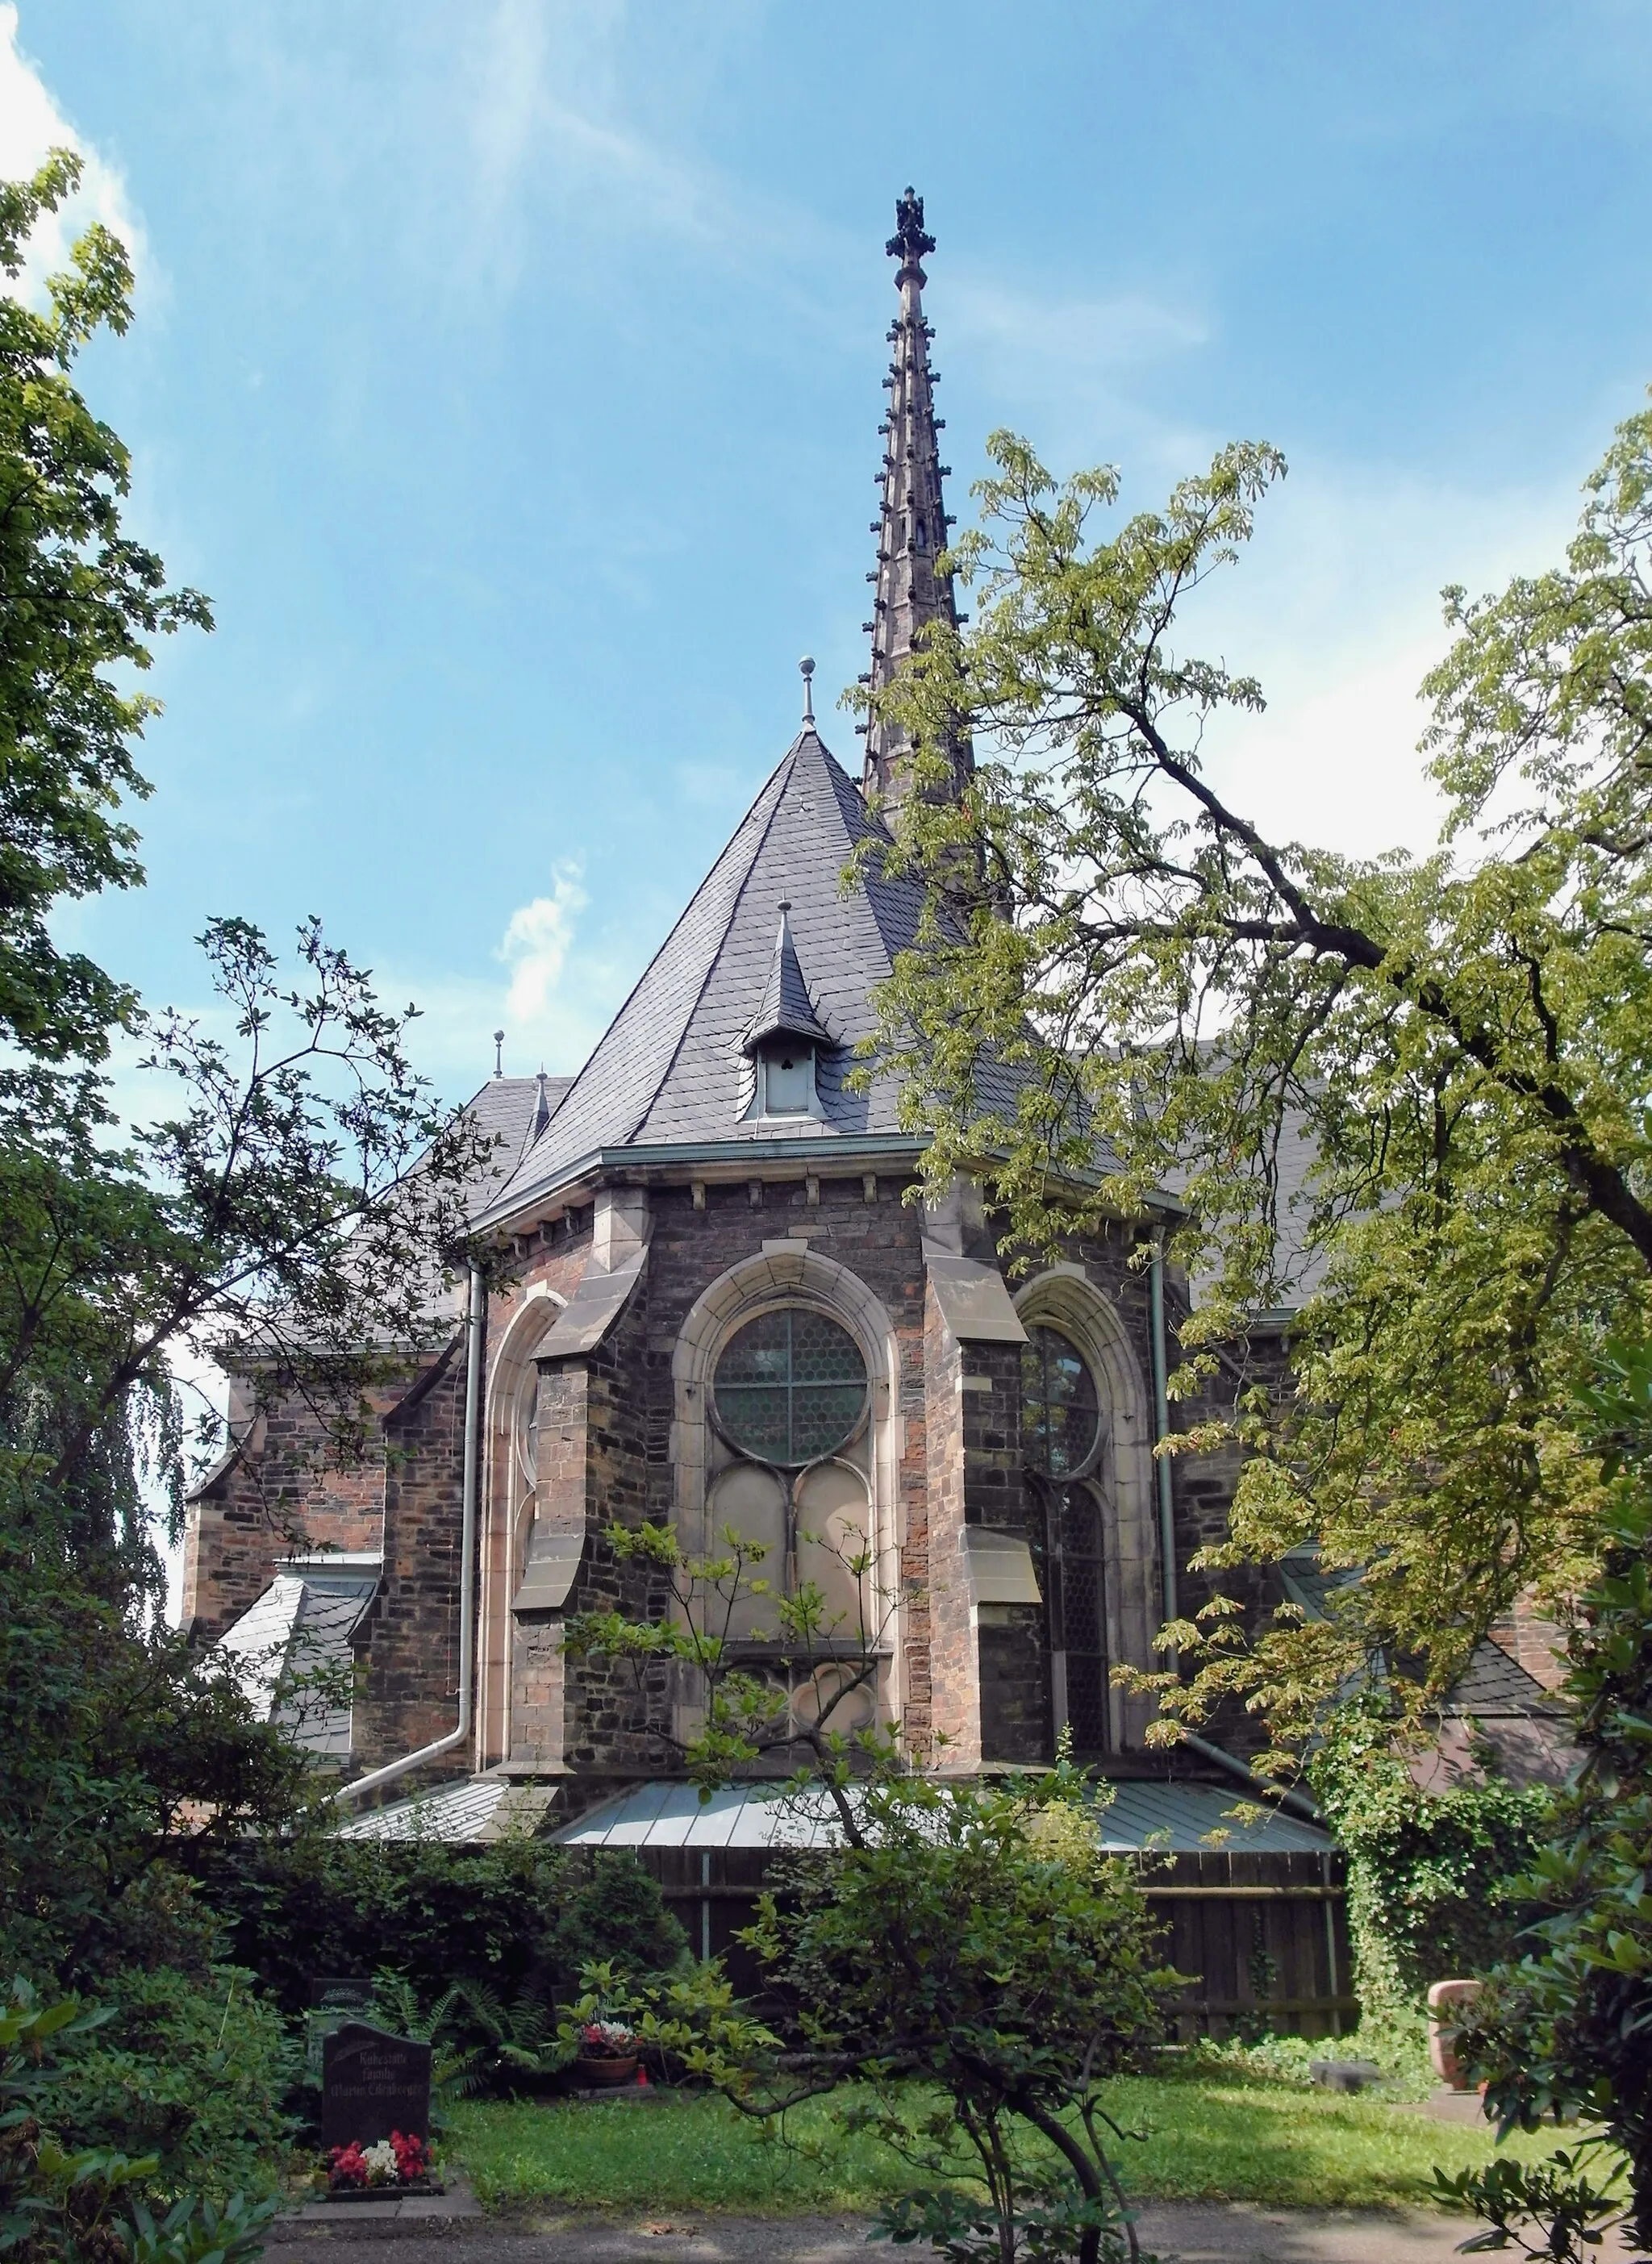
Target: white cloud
column 1336, row 608
column 553, row 999
column 1059, row 341
column 543, row 102
column 535, row 948
column 1075, row 372
column 31, row 124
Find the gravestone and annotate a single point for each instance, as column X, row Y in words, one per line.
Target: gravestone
column 334, row 1999
column 372, row 2084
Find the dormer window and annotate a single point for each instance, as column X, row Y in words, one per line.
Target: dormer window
column 786, row 1076
column 785, row 1038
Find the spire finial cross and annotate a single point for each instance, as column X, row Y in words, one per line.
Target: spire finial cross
column 805, row 668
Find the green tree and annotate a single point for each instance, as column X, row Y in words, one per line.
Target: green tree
column 79, row 597
column 971, row 1938
column 1464, row 1040
column 291, row 1212
column 1565, row 2032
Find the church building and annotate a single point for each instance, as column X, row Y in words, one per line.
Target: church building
column 719, row 1307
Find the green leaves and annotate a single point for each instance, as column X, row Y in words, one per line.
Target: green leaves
column 1566, row 2030
column 79, row 600
column 1123, row 985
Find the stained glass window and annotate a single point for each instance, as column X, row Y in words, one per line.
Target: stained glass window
column 1060, row 1419
column 790, row 1387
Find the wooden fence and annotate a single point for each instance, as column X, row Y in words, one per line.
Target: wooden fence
column 1263, row 1938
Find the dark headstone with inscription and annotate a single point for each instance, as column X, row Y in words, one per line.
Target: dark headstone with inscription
column 372, row 2084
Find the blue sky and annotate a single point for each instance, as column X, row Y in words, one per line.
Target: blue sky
column 509, row 376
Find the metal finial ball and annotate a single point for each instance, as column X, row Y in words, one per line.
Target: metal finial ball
column 805, row 666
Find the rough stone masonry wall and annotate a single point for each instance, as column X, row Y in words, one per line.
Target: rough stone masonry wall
column 613, row 1719
column 410, row 1635
column 279, row 1497
column 630, row 1473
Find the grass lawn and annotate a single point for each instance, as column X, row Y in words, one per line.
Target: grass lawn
column 1206, row 2139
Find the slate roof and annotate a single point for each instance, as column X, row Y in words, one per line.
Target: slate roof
column 785, row 1009
column 289, row 1648
column 508, row 1108
column 671, row 1069
column 1494, row 1684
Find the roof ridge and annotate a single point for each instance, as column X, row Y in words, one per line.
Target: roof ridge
column 670, row 935
column 778, row 778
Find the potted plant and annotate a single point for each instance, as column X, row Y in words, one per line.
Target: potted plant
column 607, row 2052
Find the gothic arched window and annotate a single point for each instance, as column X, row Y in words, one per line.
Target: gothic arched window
column 791, row 1472
column 1066, row 1440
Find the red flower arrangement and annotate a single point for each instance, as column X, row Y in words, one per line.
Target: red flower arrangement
column 400, row 2160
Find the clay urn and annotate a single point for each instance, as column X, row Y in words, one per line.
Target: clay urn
column 1448, row 2001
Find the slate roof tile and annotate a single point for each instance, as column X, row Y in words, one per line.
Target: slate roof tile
column 671, row 1069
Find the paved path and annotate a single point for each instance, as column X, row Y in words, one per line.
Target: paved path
column 1185, row 2232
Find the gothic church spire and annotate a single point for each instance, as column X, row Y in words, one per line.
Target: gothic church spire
column 913, row 529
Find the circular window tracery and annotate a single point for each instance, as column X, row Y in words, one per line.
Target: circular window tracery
column 1060, row 1413
column 790, row 1387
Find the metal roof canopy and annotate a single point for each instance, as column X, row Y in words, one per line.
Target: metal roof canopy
column 1175, row 1819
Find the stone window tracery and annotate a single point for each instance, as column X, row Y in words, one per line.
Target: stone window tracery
column 1066, row 1439
column 790, row 1387
column 786, row 1435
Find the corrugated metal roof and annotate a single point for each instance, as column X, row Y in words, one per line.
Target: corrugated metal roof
column 1178, row 1818
column 674, row 1816
column 1190, row 1819
column 477, row 1808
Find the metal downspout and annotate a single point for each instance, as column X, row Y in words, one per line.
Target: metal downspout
column 391, row 1770
column 1161, row 1429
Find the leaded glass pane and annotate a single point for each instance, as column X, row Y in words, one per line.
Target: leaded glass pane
column 1087, row 1702
column 790, row 1387
column 1061, row 1417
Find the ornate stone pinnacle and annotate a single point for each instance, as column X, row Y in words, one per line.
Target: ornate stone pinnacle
column 914, row 595
column 910, row 241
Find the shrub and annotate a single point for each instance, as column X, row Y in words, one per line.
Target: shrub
column 515, row 1915
column 971, row 1937
column 65, row 2202
column 1566, row 2031
column 616, row 1917
column 192, row 2072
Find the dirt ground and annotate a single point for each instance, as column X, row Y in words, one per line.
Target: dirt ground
column 1183, row 2232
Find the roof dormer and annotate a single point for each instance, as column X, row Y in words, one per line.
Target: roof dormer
column 784, row 1037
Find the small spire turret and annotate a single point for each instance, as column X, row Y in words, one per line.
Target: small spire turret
column 912, row 530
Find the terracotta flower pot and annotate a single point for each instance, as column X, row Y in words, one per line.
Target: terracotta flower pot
column 1448, row 2001
column 604, row 2070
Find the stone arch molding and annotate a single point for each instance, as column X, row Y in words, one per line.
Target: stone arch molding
column 1065, row 1298
column 512, row 1374
column 790, row 1274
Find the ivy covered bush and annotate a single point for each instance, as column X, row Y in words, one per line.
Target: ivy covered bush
column 1434, row 1878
